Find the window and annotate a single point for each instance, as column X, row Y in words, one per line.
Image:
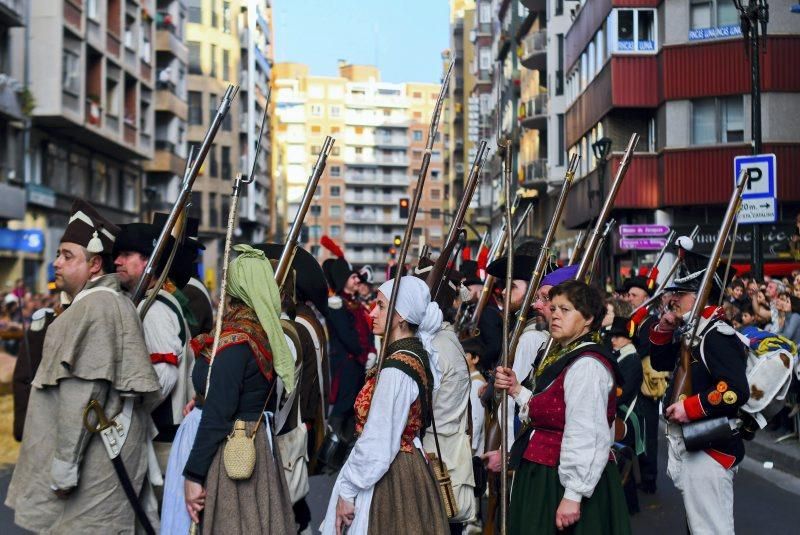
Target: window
column 359, row 130
column 226, row 17
column 227, row 171
column 213, row 165
column 316, row 210
column 435, row 173
column 417, row 94
column 212, row 104
column 335, row 151
column 336, row 230
column 213, row 62
column 336, row 191
column 703, row 131
column 485, row 56
column 732, row 119
column 316, row 129
column 336, row 111
column 436, row 194
column 335, row 130
column 194, row 57
column 70, row 80
column 417, row 135
column 336, row 170
column 316, row 110
column 709, row 19
column 335, row 211
column 359, row 150
column 561, row 149
column 416, row 154
column 226, row 65
column 436, row 213
column 195, row 107
column 485, row 13
column 635, row 30
column 91, row 9
column 213, row 213
column 559, row 7
column 195, row 11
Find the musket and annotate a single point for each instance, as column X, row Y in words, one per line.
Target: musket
column 290, row 247
column 603, row 240
column 580, row 241
column 178, row 234
column 507, row 181
column 682, row 379
column 184, row 194
column 544, row 255
column 654, row 267
column 412, row 213
column 498, row 250
column 436, row 275
column 605, row 212
column 239, row 181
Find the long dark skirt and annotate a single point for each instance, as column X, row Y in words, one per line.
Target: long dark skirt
column 406, row 500
column 260, row 504
column 537, row 492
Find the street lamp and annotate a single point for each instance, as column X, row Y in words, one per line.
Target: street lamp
column 601, row 149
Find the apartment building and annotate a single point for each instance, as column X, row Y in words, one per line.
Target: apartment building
column 91, row 75
column 677, row 74
column 229, row 42
column 380, row 130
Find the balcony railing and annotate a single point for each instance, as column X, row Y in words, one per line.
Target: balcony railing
column 536, row 170
column 534, row 50
column 533, row 112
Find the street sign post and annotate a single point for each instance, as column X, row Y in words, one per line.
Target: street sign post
column 642, row 244
column 759, row 198
column 643, row 230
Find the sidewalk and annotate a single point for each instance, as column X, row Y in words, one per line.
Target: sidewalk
column 785, row 456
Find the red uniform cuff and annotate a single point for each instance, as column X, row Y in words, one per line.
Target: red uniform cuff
column 660, row 338
column 169, row 358
column 693, row 407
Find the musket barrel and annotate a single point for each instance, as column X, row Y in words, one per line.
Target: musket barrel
column 183, row 195
column 289, row 247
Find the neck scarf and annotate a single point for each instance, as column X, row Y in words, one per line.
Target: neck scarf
column 558, row 352
column 414, row 305
column 252, row 281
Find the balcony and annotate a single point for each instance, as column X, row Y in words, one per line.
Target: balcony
column 360, row 159
column 169, row 102
column 368, row 237
column 534, row 50
column 533, row 112
column 165, row 160
column 391, row 141
column 11, row 13
column 534, row 172
column 373, row 218
column 167, row 41
column 398, row 161
column 377, row 180
column 372, row 198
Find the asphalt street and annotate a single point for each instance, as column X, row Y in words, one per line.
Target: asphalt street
column 766, row 501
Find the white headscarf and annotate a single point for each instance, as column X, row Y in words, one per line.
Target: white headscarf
column 414, row 305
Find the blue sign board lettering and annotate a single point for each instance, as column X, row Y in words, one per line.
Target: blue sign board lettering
column 24, row 241
column 701, row 34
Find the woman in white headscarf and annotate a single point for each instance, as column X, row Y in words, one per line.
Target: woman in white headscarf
column 386, row 485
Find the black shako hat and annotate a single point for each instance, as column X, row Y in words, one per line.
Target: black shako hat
column 142, row 238
column 310, row 283
column 522, row 269
column 184, row 266
column 690, row 274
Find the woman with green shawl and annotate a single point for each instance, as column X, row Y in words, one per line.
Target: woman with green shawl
column 252, row 355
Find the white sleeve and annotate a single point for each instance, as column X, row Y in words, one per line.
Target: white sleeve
column 162, row 338
column 379, row 442
column 478, row 415
column 587, row 434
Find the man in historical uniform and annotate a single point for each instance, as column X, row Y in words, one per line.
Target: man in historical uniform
column 490, row 324
column 719, row 388
column 636, row 290
column 166, row 332
column 64, row 481
column 451, row 404
column 351, row 341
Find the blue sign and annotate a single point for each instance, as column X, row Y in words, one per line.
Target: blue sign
column 24, row 241
column 720, row 32
column 759, row 199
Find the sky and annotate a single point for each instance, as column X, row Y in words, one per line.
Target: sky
column 404, row 38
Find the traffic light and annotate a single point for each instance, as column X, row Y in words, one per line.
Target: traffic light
column 392, row 252
column 403, row 208
column 397, row 241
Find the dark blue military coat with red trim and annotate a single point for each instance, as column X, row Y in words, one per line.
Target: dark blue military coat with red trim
column 719, row 381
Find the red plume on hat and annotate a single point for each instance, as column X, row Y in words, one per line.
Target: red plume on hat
column 651, row 278
column 330, row 245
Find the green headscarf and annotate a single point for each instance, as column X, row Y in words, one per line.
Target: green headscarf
column 252, row 281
